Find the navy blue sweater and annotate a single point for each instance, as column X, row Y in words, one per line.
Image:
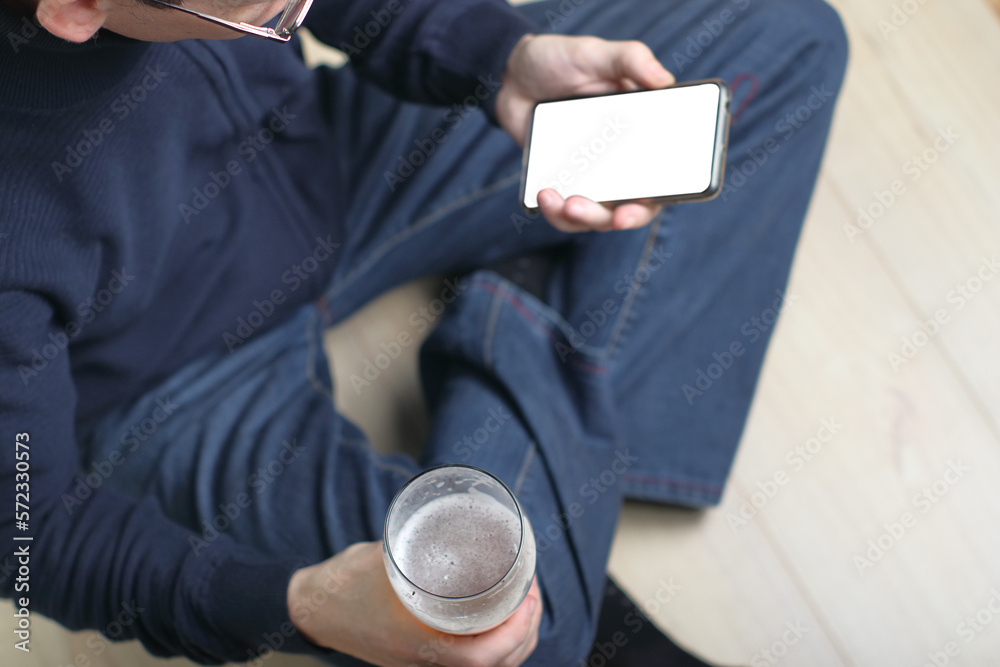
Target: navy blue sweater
column 116, row 268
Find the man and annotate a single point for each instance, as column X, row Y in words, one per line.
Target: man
column 182, row 217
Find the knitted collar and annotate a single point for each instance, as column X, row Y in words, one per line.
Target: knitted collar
column 39, row 71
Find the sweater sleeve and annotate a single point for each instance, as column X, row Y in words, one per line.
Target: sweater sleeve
column 429, row 51
column 98, row 559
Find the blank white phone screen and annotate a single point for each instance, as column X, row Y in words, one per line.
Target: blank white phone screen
column 656, row 143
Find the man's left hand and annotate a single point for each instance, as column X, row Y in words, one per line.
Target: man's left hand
column 546, row 67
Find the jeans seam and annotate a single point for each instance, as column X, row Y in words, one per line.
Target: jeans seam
column 617, row 333
column 312, row 352
column 529, row 458
column 491, row 325
column 537, row 315
column 542, row 318
column 420, row 225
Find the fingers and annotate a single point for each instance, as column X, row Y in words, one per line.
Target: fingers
column 530, row 642
column 634, row 60
column 518, row 636
column 575, row 214
column 507, row 645
column 579, row 214
column 633, row 216
column 528, row 645
column 524, row 627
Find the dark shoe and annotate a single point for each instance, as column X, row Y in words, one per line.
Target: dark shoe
column 627, row 638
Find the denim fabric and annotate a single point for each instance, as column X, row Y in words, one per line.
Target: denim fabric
column 631, row 377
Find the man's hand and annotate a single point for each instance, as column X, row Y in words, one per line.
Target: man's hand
column 347, row 603
column 545, row 67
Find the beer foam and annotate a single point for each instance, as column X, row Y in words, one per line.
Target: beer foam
column 458, row 545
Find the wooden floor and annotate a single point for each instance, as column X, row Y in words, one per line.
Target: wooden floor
column 845, row 563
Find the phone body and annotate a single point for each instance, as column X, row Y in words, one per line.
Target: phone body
column 665, row 146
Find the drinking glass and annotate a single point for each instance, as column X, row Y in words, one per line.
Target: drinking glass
column 458, row 549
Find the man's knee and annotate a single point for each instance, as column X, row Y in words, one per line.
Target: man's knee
column 803, row 77
column 812, row 27
column 826, row 29
column 570, row 617
column 565, row 636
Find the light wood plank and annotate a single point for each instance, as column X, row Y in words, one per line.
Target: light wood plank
column 899, row 436
column 929, row 75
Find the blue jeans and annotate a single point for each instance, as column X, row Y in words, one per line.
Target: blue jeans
column 631, row 377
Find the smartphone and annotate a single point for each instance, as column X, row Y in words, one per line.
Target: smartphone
column 664, row 146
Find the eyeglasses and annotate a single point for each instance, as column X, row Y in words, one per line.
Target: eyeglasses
column 290, row 20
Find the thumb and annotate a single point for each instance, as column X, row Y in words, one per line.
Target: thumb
column 634, row 60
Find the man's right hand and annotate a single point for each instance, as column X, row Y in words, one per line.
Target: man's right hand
column 347, row 603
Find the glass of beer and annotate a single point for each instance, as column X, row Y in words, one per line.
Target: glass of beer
column 458, row 549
